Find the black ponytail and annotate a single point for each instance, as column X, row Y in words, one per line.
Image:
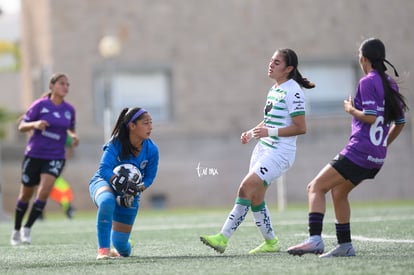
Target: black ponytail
column 121, row 131
column 395, row 104
column 291, row 59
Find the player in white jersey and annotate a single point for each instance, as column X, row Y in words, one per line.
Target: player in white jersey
column 274, row 154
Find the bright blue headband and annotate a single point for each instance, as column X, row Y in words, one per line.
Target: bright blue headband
column 137, row 114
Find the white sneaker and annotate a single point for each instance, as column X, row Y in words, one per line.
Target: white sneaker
column 25, row 235
column 341, row 250
column 15, row 238
column 313, row 244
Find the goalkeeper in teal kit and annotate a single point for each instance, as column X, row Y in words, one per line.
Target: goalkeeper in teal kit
column 117, row 194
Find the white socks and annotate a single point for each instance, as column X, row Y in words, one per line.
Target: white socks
column 263, row 222
column 235, row 218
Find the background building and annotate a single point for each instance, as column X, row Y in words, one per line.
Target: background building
column 200, row 67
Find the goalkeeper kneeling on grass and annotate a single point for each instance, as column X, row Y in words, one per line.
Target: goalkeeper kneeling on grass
column 117, row 192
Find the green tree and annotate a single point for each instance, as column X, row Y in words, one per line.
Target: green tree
column 5, row 117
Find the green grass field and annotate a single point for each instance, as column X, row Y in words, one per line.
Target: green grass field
column 167, row 242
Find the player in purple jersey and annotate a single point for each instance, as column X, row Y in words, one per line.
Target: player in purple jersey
column 377, row 119
column 49, row 119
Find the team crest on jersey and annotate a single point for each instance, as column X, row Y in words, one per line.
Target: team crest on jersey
column 68, row 115
column 268, row 107
column 143, row 164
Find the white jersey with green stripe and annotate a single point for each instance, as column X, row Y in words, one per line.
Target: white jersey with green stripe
column 283, row 102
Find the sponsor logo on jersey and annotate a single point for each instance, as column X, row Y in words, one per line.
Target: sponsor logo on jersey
column 375, row 160
column 263, row 170
column 299, row 107
column 298, row 102
column 56, row 114
column 368, row 102
column 50, row 135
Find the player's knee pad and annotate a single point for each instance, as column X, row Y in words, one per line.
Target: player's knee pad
column 120, row 240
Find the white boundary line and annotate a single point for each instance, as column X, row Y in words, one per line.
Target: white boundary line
column 293, row 222
column 365, row 239
column 275, row 222
column 380, row 240
column 156, row 226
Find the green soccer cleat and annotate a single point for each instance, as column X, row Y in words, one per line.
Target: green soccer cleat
column 268, row 246
column 218, row 242
column 131, row 243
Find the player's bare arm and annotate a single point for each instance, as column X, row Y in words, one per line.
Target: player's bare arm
column 350, row 109
column 34, row 125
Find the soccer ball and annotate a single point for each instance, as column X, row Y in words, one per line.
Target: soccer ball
column 129, row 171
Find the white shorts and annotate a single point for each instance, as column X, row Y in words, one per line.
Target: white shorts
column 269, row 164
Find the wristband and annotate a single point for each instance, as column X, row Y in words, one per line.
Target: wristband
column 273, row 132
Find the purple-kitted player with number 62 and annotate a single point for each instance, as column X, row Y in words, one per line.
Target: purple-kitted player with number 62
column 377, row 119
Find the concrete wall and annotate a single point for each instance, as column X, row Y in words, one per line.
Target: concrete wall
column 218, row 52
